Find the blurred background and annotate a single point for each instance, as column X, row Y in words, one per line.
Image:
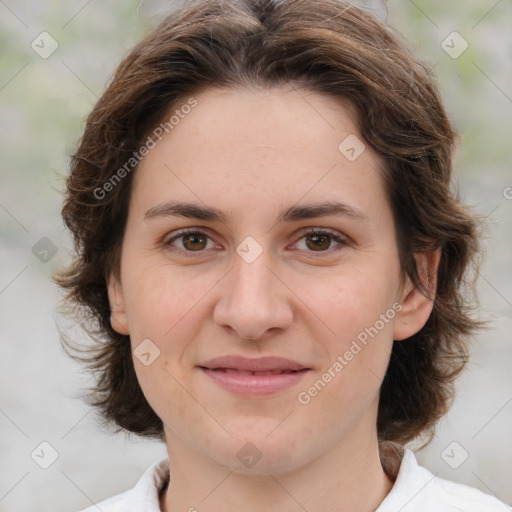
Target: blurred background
column 56, row 58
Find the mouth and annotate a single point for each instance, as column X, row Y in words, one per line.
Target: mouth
column 243, row 372
column 253, row 365
column 253, row 377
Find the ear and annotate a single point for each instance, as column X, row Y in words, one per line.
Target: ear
column 118, row 318
column 416, row 308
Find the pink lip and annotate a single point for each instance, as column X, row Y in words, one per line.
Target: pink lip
column 251, row 385
column 232, row 374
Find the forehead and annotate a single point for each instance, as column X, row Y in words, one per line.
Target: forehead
column 267, row 146
column 283, row 117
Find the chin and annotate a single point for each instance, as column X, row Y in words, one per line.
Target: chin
column 258, row 455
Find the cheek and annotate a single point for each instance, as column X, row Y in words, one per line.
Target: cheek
column 360, row 319
column 161, row 297
column 354, row 300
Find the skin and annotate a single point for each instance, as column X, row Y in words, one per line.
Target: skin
column 252, row 153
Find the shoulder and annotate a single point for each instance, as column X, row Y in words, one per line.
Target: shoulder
column 143, row 497
column 463, row 497
column 416, row 489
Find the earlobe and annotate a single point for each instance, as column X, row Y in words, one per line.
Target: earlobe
column 416, row 307
column 118, row 318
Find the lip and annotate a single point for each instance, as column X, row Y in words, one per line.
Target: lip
column 250, row 376
column 247, row 364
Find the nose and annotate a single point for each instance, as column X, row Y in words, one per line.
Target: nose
column 254, row 300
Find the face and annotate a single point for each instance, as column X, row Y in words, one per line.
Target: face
column 263, row 270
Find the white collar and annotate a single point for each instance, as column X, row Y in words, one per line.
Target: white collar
column 415, row 489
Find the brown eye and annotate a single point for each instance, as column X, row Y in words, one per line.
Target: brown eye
column 194, row 241
column 316, row 241
column 321, row 242
column 188, row 242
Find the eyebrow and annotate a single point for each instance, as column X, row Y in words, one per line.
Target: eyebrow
column 293, row 213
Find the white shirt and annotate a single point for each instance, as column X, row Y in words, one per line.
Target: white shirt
column 415, row 489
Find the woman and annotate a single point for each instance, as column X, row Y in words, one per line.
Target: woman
column 272, row 261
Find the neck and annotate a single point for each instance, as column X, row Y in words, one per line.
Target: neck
column 349, row 478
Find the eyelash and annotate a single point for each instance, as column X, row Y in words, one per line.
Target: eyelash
column 343, row 241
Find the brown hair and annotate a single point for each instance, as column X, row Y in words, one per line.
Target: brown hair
column 327, row 46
